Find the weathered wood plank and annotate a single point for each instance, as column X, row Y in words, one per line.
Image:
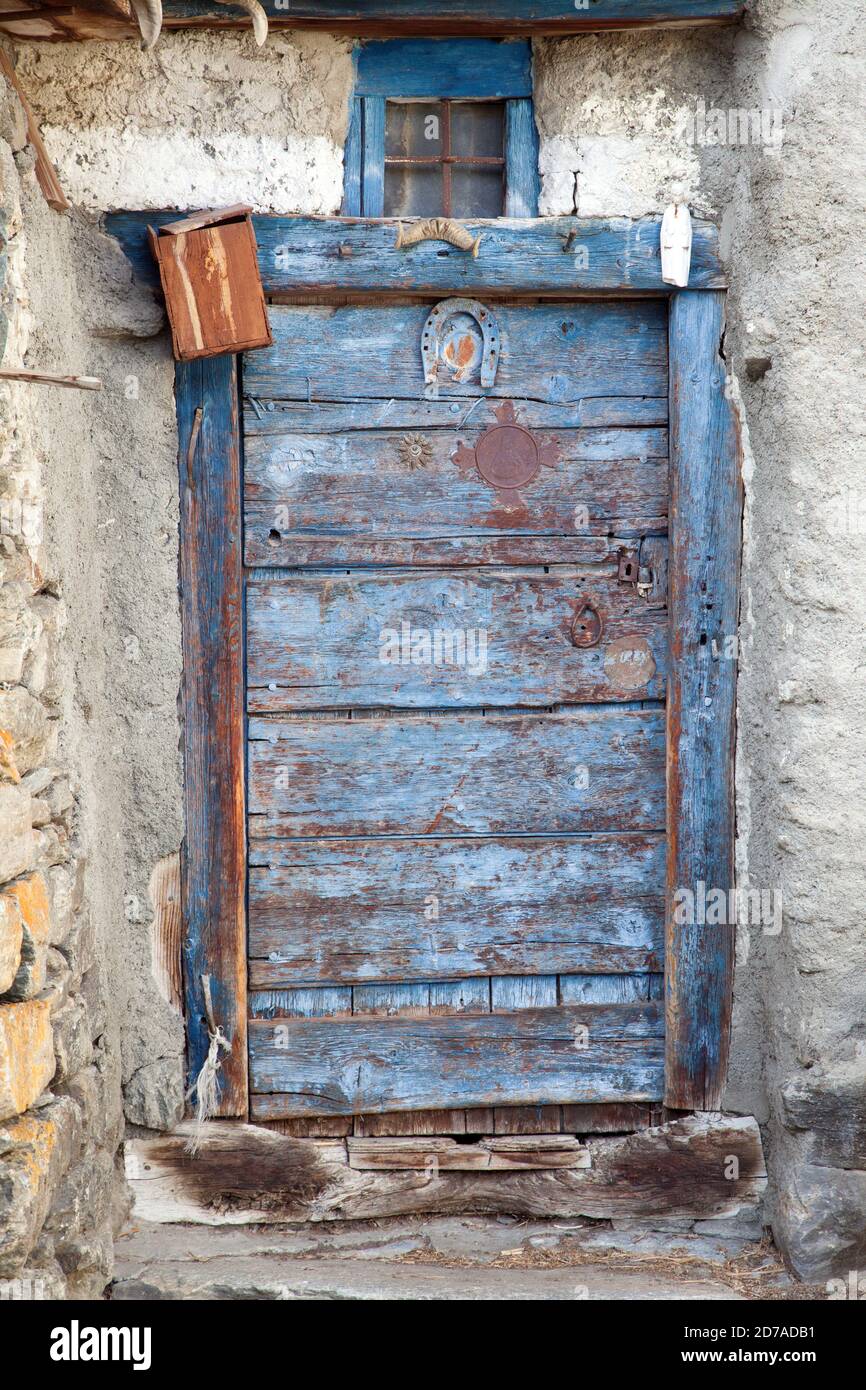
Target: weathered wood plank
column 537, row 256
column 475, row 68
column 460, row 996
column 677, row 1171
column 532, row 1057
column 448, row 641
column 523, row 1120
column 352, row 162
column 609, row 1119
column 391, row 1001
column 269, row 549
column 340, row 911
column 448, row 17
column 706, row 507
column 269, row 415
column 357, row 499
column 373, row 156
column 549, row 352
column 597, row 770
column 604, row 988
column 313, row 1126
column 301, row 1002
column 522, row 179
column 507, row 995
column 408, row 1123
column 508, row 1154
column 214, row 851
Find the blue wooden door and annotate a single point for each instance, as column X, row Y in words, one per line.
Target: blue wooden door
column 457, row 655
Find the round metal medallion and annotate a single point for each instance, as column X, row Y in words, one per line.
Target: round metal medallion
column 506, row 456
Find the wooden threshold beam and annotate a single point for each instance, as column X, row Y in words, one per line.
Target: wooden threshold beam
column 245, row 1173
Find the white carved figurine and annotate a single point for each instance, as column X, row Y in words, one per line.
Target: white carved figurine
column 676, row 245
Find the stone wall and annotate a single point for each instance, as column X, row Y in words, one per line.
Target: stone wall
column 60, row 1104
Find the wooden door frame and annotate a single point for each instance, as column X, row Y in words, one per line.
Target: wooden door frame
column 539, row 257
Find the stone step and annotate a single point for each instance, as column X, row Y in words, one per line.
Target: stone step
column 266, row 1277
column 451, row 1258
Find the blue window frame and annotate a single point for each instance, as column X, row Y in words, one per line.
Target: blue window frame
column 440, row 70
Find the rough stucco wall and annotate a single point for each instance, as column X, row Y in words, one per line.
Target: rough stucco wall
column 794, row 238
column 61, row 1117
column 111, row 523
column 616, row 121
column 204, row 119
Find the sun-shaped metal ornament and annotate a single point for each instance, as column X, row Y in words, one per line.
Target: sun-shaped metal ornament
column 507, row 455
column 415, row 451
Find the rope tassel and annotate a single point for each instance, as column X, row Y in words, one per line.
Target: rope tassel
column 206, row 1086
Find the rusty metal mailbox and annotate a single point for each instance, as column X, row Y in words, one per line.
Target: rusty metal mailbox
column 210, row 277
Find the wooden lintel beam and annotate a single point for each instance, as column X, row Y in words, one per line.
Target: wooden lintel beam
column 537, row 256
column 386, row 18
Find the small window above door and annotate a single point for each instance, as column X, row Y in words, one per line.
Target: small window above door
column 442, row 127
column 444, row 158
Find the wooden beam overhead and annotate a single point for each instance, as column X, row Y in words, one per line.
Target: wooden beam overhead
column 537, row 256
column 383, row 18
column 110, row 19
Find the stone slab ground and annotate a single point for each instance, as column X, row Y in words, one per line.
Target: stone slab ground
column 448, row 1258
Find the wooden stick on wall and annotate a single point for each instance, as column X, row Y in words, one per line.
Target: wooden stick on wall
column 45, row 171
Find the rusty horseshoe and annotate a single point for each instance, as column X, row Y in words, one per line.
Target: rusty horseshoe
column 431, row 340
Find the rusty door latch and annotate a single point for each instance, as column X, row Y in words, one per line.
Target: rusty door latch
column 631, row 572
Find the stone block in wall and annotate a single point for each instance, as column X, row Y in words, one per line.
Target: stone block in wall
column 11, row 936
column 38, row 1283
column 52, row 845
column 35, row 1151
column 829, row 1105
column 820, row 1222
column 83, row 1198
column 66, row 886
column 95, row 994
column 34, row 735
column 17, row 841
column 79, row 948
column 30, row 894
column 44, row 671
column 27, row 1062
column 153, row 1095
column 87, row 1260
column 73, row 1047
column 20, row 630
column 59, row 985
column 13, row 121
column 96, row 1091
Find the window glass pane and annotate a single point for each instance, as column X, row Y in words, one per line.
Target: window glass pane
column 413, row 128
column 476, row 128
column 413, row 191
column 476, row 192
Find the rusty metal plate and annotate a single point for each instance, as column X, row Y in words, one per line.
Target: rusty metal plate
column 507, row 455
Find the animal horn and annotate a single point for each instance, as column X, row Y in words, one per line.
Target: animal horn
column 149, row 16
column 256, row 14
